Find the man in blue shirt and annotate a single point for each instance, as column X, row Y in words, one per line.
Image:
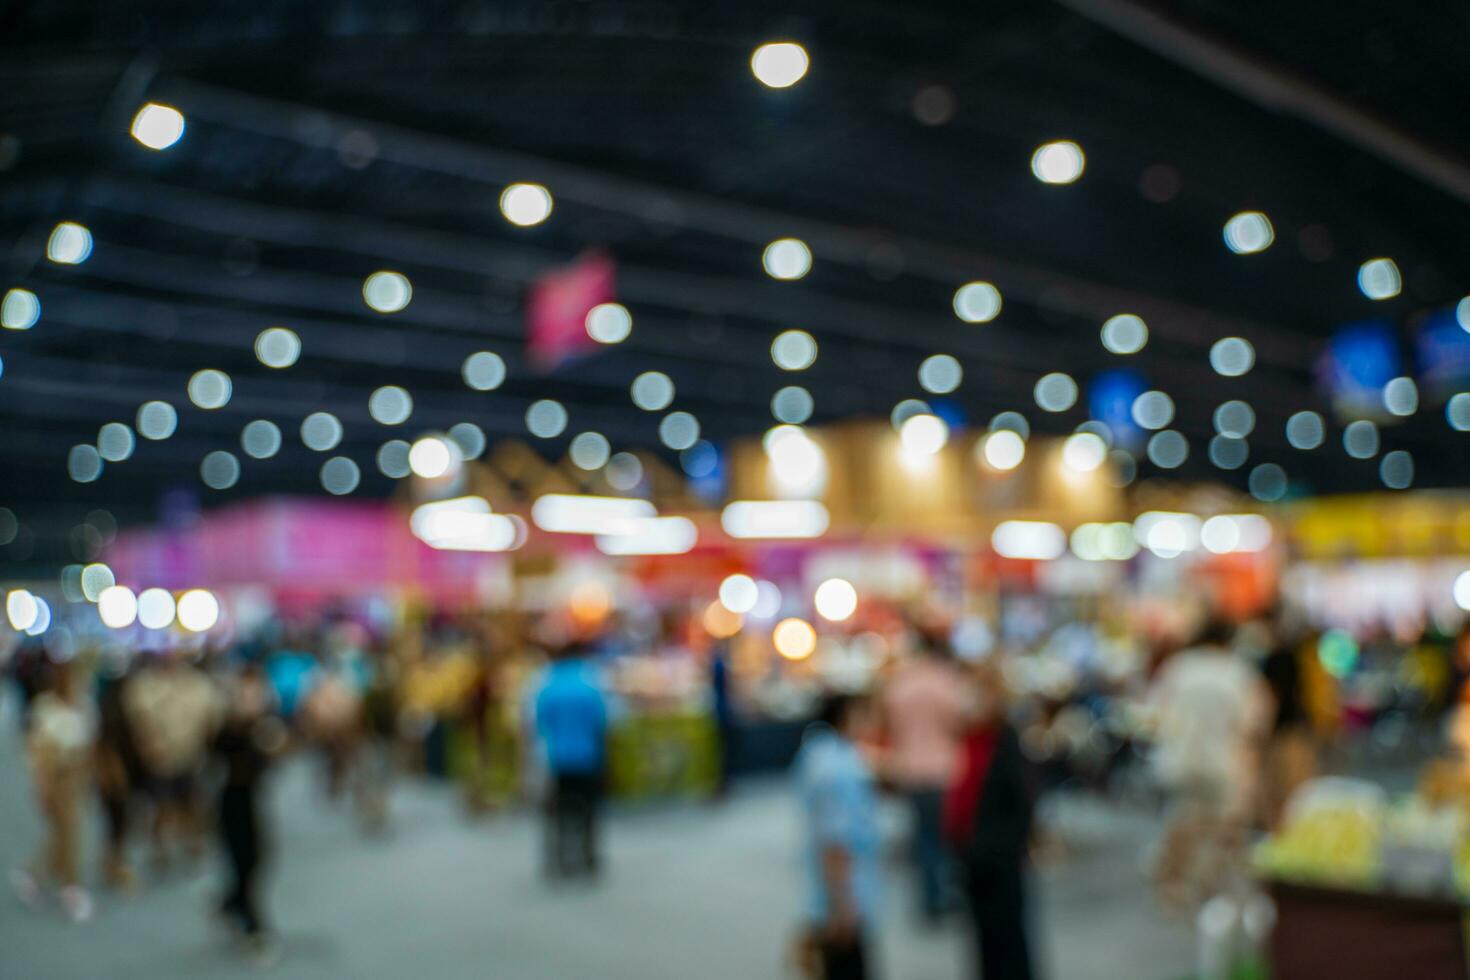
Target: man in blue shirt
column 571, row 722
column 840, row 812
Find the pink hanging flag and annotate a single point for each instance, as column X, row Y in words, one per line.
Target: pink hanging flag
column 556, row 309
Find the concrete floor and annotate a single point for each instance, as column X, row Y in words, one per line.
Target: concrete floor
column 690, row 891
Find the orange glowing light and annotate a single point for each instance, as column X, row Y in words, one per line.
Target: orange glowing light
column 794, row 639
column 720, row 622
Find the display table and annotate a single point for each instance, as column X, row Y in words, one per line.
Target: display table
column 1360, row 935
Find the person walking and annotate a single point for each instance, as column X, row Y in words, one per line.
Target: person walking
column 59, row 741
column 839, row 807
column 988, row 818
column 242, row 749
column 924, row 713
column 571, row 723
column 119, row 775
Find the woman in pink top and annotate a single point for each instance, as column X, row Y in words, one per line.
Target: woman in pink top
column 925, row 709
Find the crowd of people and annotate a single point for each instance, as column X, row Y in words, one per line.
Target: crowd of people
column 181, row 740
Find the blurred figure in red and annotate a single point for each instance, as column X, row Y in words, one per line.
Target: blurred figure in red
column 59, row 740
column 987, row 820
column 924, row 709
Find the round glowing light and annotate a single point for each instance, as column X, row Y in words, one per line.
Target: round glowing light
column 210, row 389
column 157, row 420
column 1229, row 453
column 1011, row 422
column 1268, row 482
column 1397, row 470
column 652, row 391
column 1235, row 419
column 590, row 450
column 430, row 457
column 1306, row 430
column 1220, row 534
column 158, row 126
column 1249, row 232
column 469, row 437
column 1462, row 591
column 321, row 431
column 792, row 405
column 798, row 464
column 609, row 323
column 1360, row 439
column 835, row 600
column 22, row 609
column 1084, row 452
column 787, row 258
column 393, row 459
column 386, row 291
column 1379, row 279
column 1059, row 162
column 155, row 608
column 940, row 374
column 700, row 461
column 1118, row 541
column 624, row 471
column 977, row 302
column 1457, row 412
column 906, row 410
column 1168, row 449
column 390, row 405
column 678, row 430
column 84, row 463
column 1004, row 449
column 1462, row 314
column 739, row 594
column 219, row 470
column 1099, row 429
column 720, row 622
column 1401, row 397
column 96, row 579
column 1153, row 410
column 483, row 371
column 69, row 244
column 794, row 350
column 1056, row 392
column 525, row 204
column 115, row 442
column 42, row 622
column 1125, row 333
column 340, row 476
column 198, row 610
column 1232, row 357
column 779, row 64
column 118, row 607
column 19, row 310
column 277, row 347
column 768, row 604
column 260, row 439
column 546, row 419
column 794, row 639
column 923, row 435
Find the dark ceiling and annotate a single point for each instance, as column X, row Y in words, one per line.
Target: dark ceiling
column 645, row 122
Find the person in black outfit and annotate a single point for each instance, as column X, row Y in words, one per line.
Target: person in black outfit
column 988, row 819
column 119, row 774
column 242, row 748
column 1291, row 751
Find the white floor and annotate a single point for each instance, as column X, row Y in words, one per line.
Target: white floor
column 690, row 891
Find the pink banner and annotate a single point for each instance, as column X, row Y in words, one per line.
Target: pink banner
column 557, row 305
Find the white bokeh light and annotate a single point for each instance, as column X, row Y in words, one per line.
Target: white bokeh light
column 84, row 463
column 525, row 204
column 1232, row 357
column 1306, row 430
column 390, row 405
column 261, row 439
column 277, row 347
column 1401, row 397
column 779, row 64
column 340, row 476
column 1397, row 470
column 118, row 607
column 906, row 410
column 1249, row 232
column 321, row 431
column 652, row 391
column 1003, row 450
column 739, row 593
column 1125, row 333
column 220, row 470
column 393, row 459
column 794, row 350
column 1084, row 452
column 1153, row 410
column 1457, row 412
column 386, row 291
column 1379, row 279
column 1268, row 482
column 157, row 420
column 210, row 389
column 678, row 430
column 1058, row 162
column 546, row 419
column 1235, row 419
column 624, row 471
column 940, row 374
column 198, row 610
column 792, row 405
column 609, row 323
column 923, row 435
column 1360, row 439
column 155, row 608
column 158, row 126
column 1229, row 453
column 115, row 442
column 1056, row 392
column 431, row 457
column 590, row 450
column 977, row 302
column 1168, row 449
column 69, row 244
column 469, row 437
column 835, row 600
column 20, row 309
column 483, row 370
column 787, row 258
